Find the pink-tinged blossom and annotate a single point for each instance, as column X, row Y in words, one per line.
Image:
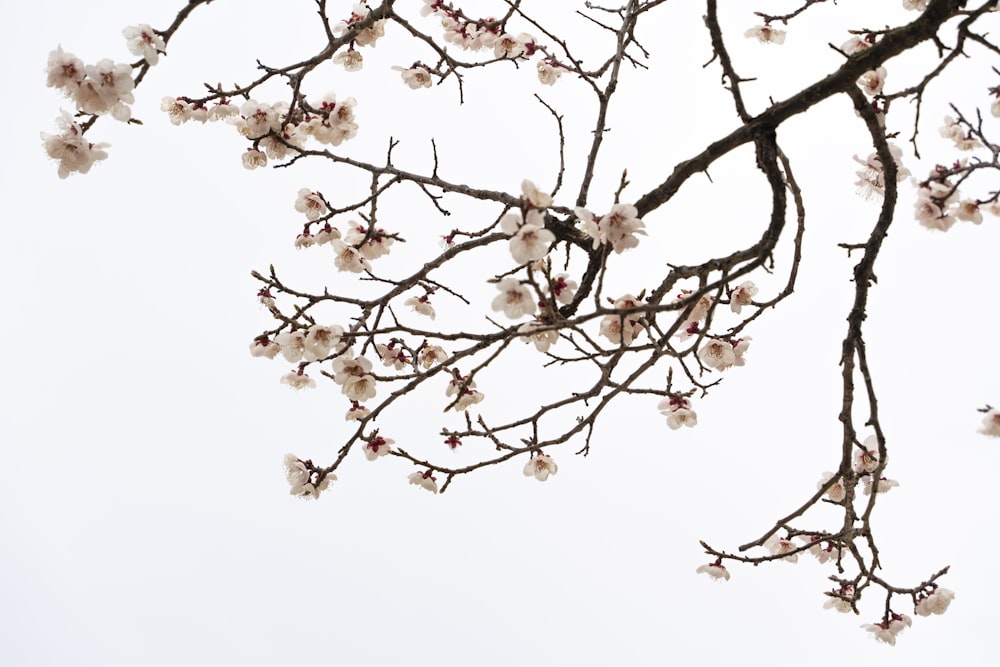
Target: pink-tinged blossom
column 311, row 204
column 991, row 423
column 529, row 240
column 779, row 546
column 424, row 480
column 935, row 602
column 416, row 77
column 143, row 41
column 378, row 446
column 866, row 459
column 872, row 81
column 71, row 148
column 765, row 34
column 263, row 347
column 540, row 467
column 297, row 379
column 515, row 299
column 107, row 87
column 717, row 571
column 65, row 71
column 617, row 228
column 855, row 44
column 543, row 340
column 742, row 295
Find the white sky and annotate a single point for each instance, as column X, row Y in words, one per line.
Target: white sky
column 145, row 513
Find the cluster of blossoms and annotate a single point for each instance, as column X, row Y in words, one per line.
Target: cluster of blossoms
column 621, row 329
column 104, row 88
column 351, row 59
column 304, row 480
column 464, row 392
column 617, row 228
column 71, row 148
column 960, row 134
column 678, row 412
column 939, row 204
column 353, row 374
column 529, row 240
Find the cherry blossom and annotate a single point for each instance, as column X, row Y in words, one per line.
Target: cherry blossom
column 872, row 81
column 392, row 355
column 529, row 240
column 509, row 46
column 934, row 603
column 353, row 376
column 254, row 158
column 915, row 5
column 717, row 571
column 742, row 295
column 540, row 467
column 144, row 41
column 453, row 442
column 617, row 228
column 717, row 353
column 430, row 355
column 534, row 196
column 320, row 340
column 352, row 60
column 782, row 545
column 991, row 423
column 866, row 459
column 292, row 343
column 65, row 71
column 298, row 380
column 421, row 304
column 871, row 179
column 106, row 87
column 416, row 77
column 968, row 210
column 883, row 486
column 855, row 44
column 378, row 446
column 356, row 412
column 678, row 412
column 424, row 480
column 765, row 34
column 311, row 204
column 371, row 244
column 842, row 600
column 549, row 72
column 543, row 339
column 881, row 632
column 465, row 389
column 71, row 149
column 562, row 288
column 837, row 492
column 515, row 299
column 347, row 258
column 262, row 347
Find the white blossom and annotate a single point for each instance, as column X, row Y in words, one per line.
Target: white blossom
column 529, row 240
column 65, row 71
column 872, row 81
column 311, row 204
column 254, row 158
column 144, row 41
column 617, row 228
column 717, row 353
column 915, row 5
column 320, row 340
column 782, row 545
column 934, row 603
column 353, row 375
column 263, row 347
column 347, row 258
column 534, row 196
column 430, row 355
column 416, row 77
column 837, row 492
column 71, row 149
column 540, row 467
column 356, row 412
column 378, row 446
column 881, row 632
column 352, row 60
column 549, row 73
column 841, row 600
column 421, row 304
column 298, row 380
column 622, row 329
column 515, row 299
column 543, row 340
column 883, row 486
column 717, row 571
column 741, row 296
column 371, row 245
column 424, row 480
column 678, row 412
column 765, row 34
column 991, row 423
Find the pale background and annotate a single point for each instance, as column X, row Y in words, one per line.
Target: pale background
column 145, row 517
